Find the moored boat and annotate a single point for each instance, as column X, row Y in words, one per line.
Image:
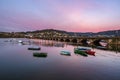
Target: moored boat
column 87, row 50
column 40, row 54
column 65, row 52
column 79, row 51
column 101, row 47
column 90, row 52
column 103, row 43
column 34, row 48
column 20, row 41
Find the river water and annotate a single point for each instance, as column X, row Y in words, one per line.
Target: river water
column 18, row 63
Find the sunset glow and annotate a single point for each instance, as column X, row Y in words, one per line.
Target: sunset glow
column 68, row 15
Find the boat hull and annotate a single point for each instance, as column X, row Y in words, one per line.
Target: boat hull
column 37, row 54
column 32, row 48
column 90, row 52
column 80, row 52
column 65, row 53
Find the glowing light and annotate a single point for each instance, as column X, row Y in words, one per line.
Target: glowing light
column 74, row 17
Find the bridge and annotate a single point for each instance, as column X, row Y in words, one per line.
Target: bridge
column 84, row 40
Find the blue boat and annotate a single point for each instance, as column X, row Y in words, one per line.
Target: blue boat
column 101, row 47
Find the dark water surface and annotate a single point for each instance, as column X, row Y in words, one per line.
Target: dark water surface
column 18, row 63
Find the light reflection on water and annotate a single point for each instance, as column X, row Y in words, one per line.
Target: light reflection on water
column 18, row 63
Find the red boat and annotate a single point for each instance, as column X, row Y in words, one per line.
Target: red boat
column 87, row 50
column 90, row 52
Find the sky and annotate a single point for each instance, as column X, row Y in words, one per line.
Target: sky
column 68, row 15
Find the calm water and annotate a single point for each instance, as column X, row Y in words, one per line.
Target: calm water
column 18, row 63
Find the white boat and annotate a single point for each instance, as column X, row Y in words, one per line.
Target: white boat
column 65, row 52
column 88, row 42
column 103, row 43
column 20, row 41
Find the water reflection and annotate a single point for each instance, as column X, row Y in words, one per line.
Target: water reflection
column 49, row 43
column 114, row 47
column 19, row 63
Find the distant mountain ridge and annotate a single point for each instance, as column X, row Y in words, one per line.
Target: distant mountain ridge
column 109, row 33
column 102, row 33
column 49, row 30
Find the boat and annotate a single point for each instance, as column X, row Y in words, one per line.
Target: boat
column 87, row 50
column 90, row 52
column 65, row 52
column 101, row 47
column 103, row 43
column 40, row 54
column 88, row 42
column 34, row 48
column 79, row 51
column 20, row 41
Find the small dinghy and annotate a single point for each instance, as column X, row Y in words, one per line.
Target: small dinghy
column 86, row 50
column 65, row 52
column 79, row 51
column 40, row 54
column 90, row 52
column 34, row 48
column 20, row 41
column 103, row 43
column 101, row 47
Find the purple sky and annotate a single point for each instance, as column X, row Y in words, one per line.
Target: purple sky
column 68, row 15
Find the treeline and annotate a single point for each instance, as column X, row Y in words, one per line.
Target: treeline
column 11, row 35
